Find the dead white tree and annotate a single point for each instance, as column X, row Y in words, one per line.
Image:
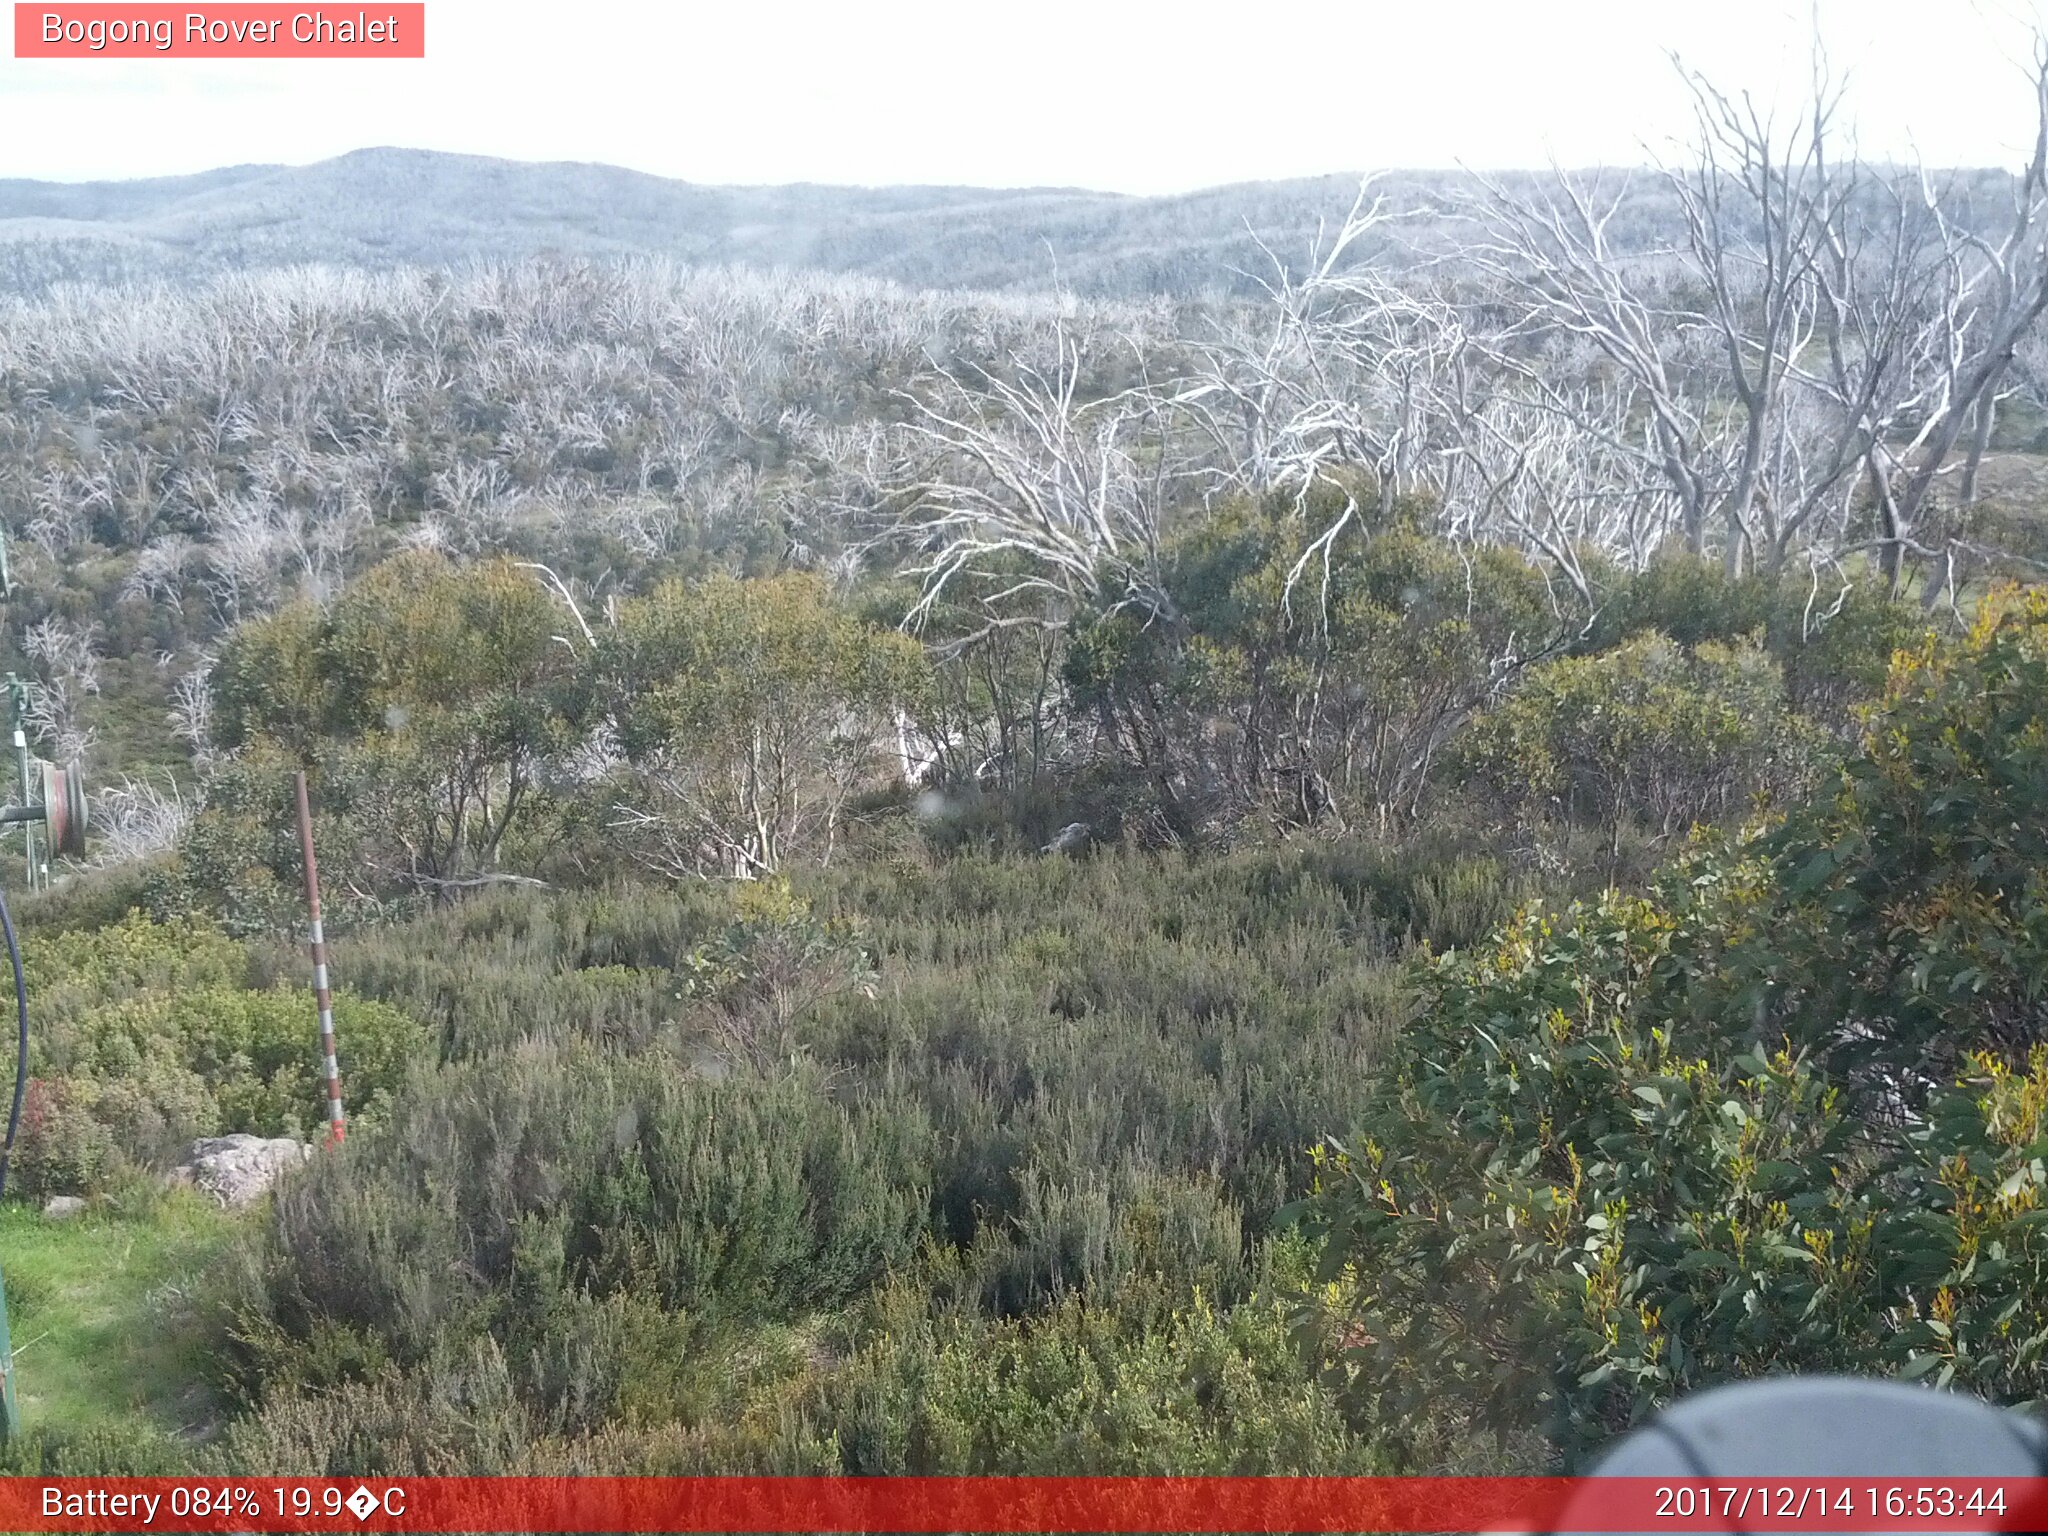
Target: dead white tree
column 1992, row 295
column 1558, row 484
column 139, row 818
column 1829, row 335
column 1282, row 390
column 67, row 662
column 1025, row 496
column 1334, row 373
column 191, row 712
column 1555, row 273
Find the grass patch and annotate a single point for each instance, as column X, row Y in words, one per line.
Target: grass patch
column 100, row 1326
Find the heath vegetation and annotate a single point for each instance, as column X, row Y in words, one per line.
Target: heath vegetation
column 1378, row 869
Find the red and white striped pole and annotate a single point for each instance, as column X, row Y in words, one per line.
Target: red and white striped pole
column 336, row 1127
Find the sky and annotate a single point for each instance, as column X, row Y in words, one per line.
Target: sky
column 1121, row 95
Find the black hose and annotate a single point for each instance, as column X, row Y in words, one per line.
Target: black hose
column 21, row 1048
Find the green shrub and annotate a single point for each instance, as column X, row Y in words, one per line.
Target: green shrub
column 1563, row 1212
column 461, row 1417
column 1575, row 1217
column 1107, row 1232
column 258, row 1053
column 144, row 1041
column 74, row 970
column 568, row 1168
column 62, row 1146
column 237, row 865
column 1647, row 732
column 1907, row 925
column 1689, row 598
column 504, row 967
column 1837, row 657
column 777, row 961
column 126, row 1450
column 754, row 712
column 1315, row 685
column 85, row 901
column 1835, row 645
column 423, row 697
column 1082, row 1390
column 1788, row 1116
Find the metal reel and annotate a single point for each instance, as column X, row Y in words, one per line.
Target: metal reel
column 64, row 808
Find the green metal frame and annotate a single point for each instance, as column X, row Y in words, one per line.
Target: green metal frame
column 17, row 720
column 10, row 1415
column 17, row 709
column 17, row 725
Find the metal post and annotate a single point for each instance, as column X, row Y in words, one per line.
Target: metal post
column 17, row 719
column 17, row 698
column 10, row 1413
column 336, row 1128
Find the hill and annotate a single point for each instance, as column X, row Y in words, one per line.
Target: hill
column 388, row 207
column 384, row 208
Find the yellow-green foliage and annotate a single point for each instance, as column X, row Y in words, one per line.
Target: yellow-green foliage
column 73, row 971
column 1833, row 644
column 1914, row 897
column 1192, row 1389
column 758, row 708
column 144, row 1039
column 424, row 699
column 1787, row 1116
column 1648, row 730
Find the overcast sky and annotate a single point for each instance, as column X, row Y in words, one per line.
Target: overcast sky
column 1126, row 95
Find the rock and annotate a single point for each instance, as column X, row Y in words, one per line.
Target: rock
column 63, row 1207
column 238, row 1169
column 1073, row 837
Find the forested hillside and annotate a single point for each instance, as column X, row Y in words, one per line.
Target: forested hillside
column 1378, row 865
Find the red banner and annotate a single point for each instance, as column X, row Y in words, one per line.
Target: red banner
column 222, row 31
column 1020, row 1504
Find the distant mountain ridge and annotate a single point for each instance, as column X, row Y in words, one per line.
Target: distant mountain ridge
column 384, row 207
column 379, row 208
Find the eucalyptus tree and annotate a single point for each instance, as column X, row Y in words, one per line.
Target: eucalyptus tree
column 750, row 713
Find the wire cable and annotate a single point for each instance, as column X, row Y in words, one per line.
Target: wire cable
column 21, row 1047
